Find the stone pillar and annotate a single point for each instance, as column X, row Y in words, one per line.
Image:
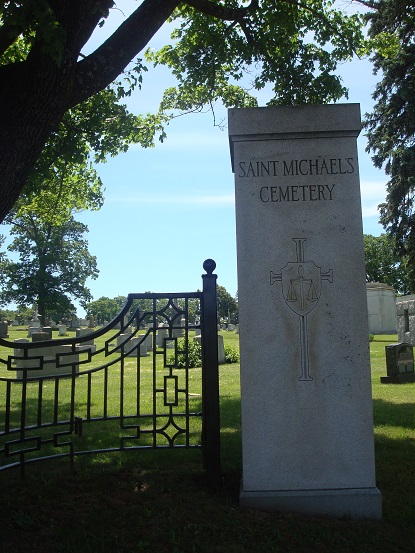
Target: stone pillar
column 307, row 427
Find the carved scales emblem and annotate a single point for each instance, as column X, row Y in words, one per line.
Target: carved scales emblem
column 301, row 288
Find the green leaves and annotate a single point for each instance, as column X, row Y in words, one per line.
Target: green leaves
column 104, row 309
column 220, row 51
column 291, row 48
column 384, row 265
column 391, row 124
column 227, row 305
column 53, row 265
column 34, row 23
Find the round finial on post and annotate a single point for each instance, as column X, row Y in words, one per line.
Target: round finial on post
column 209, row 266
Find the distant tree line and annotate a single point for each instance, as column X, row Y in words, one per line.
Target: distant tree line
column 105, row 309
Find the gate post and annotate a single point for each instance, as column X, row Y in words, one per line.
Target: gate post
column 210, row 377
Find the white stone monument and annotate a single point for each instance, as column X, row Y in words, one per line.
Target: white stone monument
column 34, row 325
column 381, row 304
column 307, row 427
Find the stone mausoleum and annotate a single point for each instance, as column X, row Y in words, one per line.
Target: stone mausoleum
column 381, row 304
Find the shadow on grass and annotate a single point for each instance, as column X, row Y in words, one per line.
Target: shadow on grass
column 149, row 501
column 395, row 459
column 101, row 435
column 50, row 434
column 158, row 501
column 387, row 413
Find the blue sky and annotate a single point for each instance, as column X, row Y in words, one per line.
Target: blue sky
column 169, row 208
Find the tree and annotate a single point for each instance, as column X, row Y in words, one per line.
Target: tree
column 54, row 264
column 106, row 308
column 391, row 125
column 69, row 183
column 7, row 315
column 227, row 305
column 103, row 309
column 54, row 261
column 64, row 179
column 24, row 314
column 384, row 265
column 294, row 46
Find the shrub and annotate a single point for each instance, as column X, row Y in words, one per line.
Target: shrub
column 194, row 354
column 231, row 354
column 371, row 337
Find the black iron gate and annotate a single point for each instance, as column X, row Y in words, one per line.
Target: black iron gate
column 129, row 385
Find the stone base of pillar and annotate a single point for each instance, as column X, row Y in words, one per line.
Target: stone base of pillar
column 358, row 503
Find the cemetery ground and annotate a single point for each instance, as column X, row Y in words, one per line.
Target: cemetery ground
column 159, row 501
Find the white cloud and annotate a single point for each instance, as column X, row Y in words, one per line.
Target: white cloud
column 373, row 193
column 370, row 210
column 373, row 190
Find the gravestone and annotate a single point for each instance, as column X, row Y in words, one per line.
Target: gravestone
column 162, row 334
column 47, row 330
column 18, row 341
column 48, row 361
column 221, row 348
column 307, row 426
column 399, row 364
column 136, row 346
column 4, row 329
column 86, row 344
column 149, row 341
column 74, row 323
column 405, row 315
column 81, row 333
column 40, row 336
column 34, row 324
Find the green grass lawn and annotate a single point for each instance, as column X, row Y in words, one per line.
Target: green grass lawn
column 159, row 501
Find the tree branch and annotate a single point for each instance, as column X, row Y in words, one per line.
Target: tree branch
column 371, row 4
column 79, row 18
column 222, row 12
column 100, row 68
column 320, row 16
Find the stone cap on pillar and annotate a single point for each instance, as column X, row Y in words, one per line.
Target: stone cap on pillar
column 285, row 122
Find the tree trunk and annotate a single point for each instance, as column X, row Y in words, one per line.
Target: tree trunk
column 24, row 133
column 35, row 93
